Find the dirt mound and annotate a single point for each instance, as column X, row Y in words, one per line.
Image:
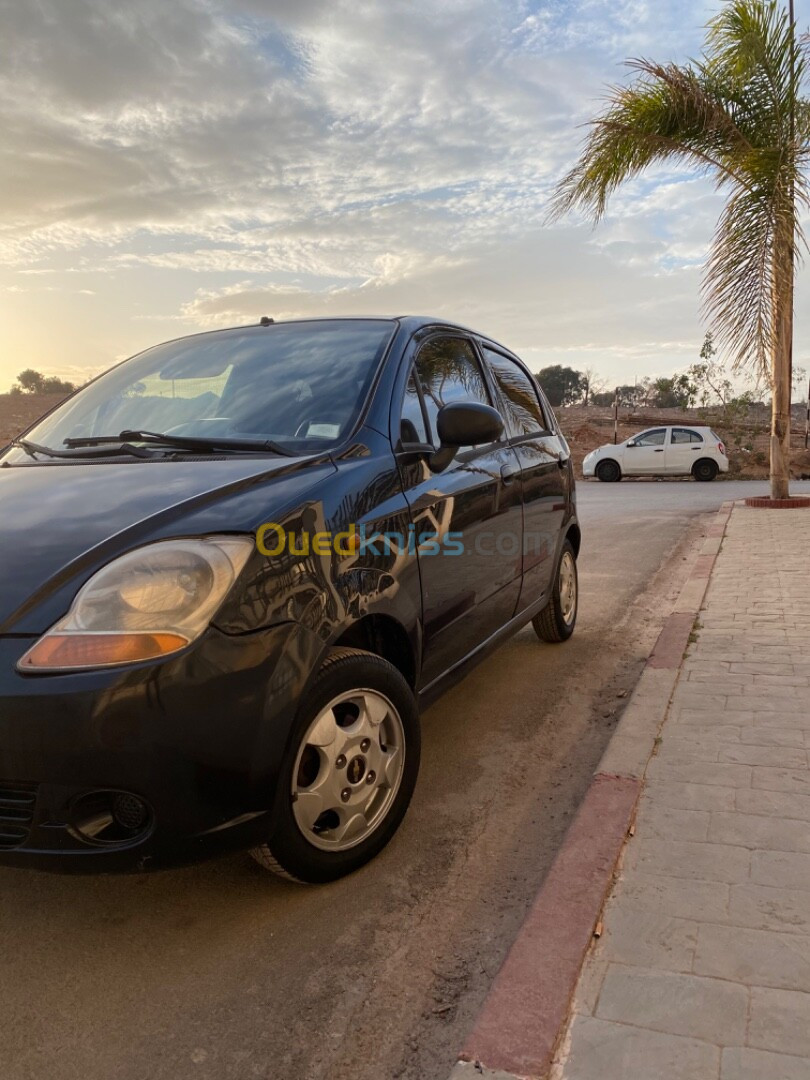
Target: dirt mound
column 19, row 411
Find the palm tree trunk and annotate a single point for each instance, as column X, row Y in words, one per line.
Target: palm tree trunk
column 781, row 364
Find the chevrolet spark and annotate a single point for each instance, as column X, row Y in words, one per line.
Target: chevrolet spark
column 236, row 565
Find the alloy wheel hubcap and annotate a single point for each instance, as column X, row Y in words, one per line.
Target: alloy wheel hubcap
column 348, row 770
column 568, row 587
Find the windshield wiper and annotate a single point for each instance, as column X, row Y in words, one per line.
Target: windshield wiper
column 33, row 449
column 181, row 442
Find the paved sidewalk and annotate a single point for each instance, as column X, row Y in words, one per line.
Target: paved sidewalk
column 703, row 967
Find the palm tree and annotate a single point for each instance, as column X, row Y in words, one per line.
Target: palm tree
column 735, row 115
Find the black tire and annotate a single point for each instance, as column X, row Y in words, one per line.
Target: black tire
column 705, row 470
column 608, row 471
column 552, row 624
column 287, row 852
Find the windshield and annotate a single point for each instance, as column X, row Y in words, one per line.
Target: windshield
column 299, row 385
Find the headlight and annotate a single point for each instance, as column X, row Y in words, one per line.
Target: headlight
column 149, row 603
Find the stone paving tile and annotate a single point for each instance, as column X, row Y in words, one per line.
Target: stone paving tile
column 781, row 869
column 778, row 804
column 648, row 939
column 602, row 1050
column 701, row 862
column 703, row 773
column 680, row 719
column 694, row 796
column 785, row 757
column 688, row 1005
column 675, row 896
column 671, row 823
column 769, row 779
column 753, row 957
column 774, row 736
column 765, row 908
column 779, row 1020
column 742, row 1063
column 590, row 983
column 753, row 831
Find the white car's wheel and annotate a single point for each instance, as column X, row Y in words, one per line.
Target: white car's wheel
column 705, row 469
column 608, row 471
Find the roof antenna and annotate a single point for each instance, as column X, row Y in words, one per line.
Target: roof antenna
column 265, row 320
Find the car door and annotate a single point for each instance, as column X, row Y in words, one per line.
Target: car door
column 645, row 453
column 685, row 447
column 467, row 519
column 543, row 457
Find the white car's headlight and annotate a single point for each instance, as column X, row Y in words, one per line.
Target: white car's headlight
column 145, row 604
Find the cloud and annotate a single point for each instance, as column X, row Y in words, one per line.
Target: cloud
column 214, row 160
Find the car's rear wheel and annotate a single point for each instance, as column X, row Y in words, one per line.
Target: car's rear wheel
column 349, row 772
column 705, row 469
column 558, row 618
column 608, row 471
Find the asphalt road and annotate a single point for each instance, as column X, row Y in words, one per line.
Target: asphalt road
column 222, row 972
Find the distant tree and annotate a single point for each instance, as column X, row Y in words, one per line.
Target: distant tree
column 632, row 395
column 34, row 382
column 603, row 398
column 561, row 385
column 592, row 384
column 709, row 376
column 676, row 392
column 30, row 381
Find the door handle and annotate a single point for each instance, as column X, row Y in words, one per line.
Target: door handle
column 508, row 473
column 660, row 450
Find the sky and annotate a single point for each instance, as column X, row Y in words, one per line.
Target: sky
column 167, row 167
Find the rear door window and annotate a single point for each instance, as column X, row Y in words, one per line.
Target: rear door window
column 685, row 435
column 518, row 399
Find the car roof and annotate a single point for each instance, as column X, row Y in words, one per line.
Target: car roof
column 409, row 323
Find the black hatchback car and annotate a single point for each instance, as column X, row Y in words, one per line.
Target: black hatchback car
column 233, row 568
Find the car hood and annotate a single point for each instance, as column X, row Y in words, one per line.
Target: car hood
column 59, row 523
column 605, row 448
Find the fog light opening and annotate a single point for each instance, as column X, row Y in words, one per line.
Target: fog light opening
column 110, row 817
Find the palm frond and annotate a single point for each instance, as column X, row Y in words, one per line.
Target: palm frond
column 738, row 280
column 668, row 113
column 750, row 45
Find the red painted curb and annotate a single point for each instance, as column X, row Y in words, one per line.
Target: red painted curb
column 673, row 639
column 527, row 1006
column 703, row 566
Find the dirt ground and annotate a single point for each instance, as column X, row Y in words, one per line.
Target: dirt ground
column 746, row 441
column 19, row 411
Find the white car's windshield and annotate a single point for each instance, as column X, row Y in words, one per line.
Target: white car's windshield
column 298, row 385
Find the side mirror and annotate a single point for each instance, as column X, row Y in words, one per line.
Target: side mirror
column 631, row 443
column 464, row 423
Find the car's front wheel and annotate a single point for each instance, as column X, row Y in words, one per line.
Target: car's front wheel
column 349, row 772
column 705, row 470
column 609, row 471
column 558, row 618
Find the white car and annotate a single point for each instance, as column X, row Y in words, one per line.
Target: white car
column 660, row 451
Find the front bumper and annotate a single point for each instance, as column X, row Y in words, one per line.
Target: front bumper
column 197, row 739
